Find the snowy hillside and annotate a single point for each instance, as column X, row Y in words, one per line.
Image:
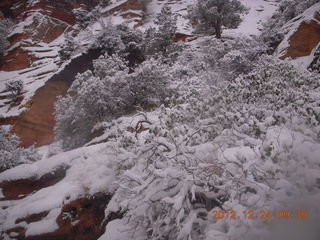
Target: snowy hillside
column 159, row 120
column 259, row 12
column 46, row 54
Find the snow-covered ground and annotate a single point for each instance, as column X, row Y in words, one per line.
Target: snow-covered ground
column 259, row 12
column 179, row 7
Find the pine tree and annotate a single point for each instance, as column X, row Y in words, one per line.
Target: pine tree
column 159, row 41
column 212, row 15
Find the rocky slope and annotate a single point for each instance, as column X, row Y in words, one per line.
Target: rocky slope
column 32, row 57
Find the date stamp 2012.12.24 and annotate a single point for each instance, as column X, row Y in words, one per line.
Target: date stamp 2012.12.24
column 262, row 215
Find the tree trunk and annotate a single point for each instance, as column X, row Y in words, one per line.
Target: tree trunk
column 218, row 28
column 218, row 31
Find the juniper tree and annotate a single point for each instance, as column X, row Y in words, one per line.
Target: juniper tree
column 212, row 15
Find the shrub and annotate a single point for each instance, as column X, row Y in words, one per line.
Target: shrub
column 108, row 92
column 230, row 148
column 11, row 154
column 15, row 88
column 68, row 48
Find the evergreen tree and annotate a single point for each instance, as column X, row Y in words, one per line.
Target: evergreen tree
column 159, row 41
column 212, row 15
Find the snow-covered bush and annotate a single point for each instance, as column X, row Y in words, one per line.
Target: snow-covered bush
column 122, row 41
column 5, row 26
column 149, row 84
column 234, row 145
column 158, row 42
column 15, row 88
column 83, row 17
column 109, row 40
column 273, row 90
column 212, row 15
column 109, row 66
column 228, row 58
column 11, row 154
column 108, row 92
column 315, row 64
column 68, row 48
column 90, row 99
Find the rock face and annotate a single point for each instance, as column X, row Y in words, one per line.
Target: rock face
column 302, row 35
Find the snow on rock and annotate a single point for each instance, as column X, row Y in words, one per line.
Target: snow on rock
column 35, row 41
column 88, row 182
column 302, row 37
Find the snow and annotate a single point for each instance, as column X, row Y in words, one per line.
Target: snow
column 46, row 225
column 179, row 7
column 115, row 230
column 259, row 12
column 92, row 168
column 33, row 77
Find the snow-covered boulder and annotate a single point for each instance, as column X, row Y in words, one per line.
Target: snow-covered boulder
column 62, row 197
column 302, row 37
